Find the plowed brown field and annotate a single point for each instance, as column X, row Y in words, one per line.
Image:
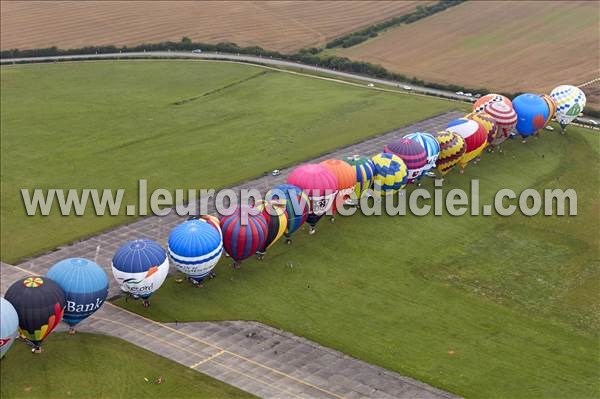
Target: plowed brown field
column 275, row 25
column 508, row 46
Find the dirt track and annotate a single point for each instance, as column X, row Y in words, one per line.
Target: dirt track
column 282, row 25
column 508, row 46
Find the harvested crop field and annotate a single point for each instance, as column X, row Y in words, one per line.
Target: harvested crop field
column 281, row 25
column 501, row 46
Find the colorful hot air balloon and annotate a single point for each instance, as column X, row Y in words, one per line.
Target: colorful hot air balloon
column 40, row 304
column 570, row 102
column 244, row 231
column 140, row 267
column 412, row 153
column 505, row 117
column 85, row 285
column 551, row 107
column 9, row 326
column 321, row 187
column 488, row 123
column 297, row 206
column 474, row 135
column 485, row 101
column 195, row 246
column 432, row 147
column 452, row 148
column 277, row 218
column 532, row 112
column 346, row 179
column 390, row 174
column 364, row 168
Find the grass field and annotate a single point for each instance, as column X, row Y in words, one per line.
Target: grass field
column 485, row 307
column 275, row 25
column 108, row 124
column 96, row 366
column 498, row 45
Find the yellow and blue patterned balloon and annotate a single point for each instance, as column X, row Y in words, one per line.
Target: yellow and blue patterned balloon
column 570, row 102
column 390, row 174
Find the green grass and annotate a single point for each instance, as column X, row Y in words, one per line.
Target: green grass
column 108, row 124
column 96, row 366
column 486, row 307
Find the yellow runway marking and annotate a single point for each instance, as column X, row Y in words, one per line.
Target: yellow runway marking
column 207, row 359
column 229, row 352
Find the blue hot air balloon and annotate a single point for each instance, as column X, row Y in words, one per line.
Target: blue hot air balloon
column 85, row 285
column 140, row 267
column 9, row 326
column 532, row 113
column 297, row 206
column 195, row 247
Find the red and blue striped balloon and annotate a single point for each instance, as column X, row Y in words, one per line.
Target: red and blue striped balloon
column 412, row 153
column 244, row 232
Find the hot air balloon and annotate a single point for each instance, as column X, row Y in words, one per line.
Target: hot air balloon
column 277, row 218
column 40, row 304
column 551, row 107
column 488, row 123
column 452, row 148
column 390, row 174
column 432, row 147
column 9, row 326
column 412, row 153
column 364, row 168
column 570, row 102
column 532, row 112
column 505, row 117
column 346, row 180
column 195, row 246
column 140, row 267
column 474, row 135
column 212, row 220
column 485, row 101
column 297, row 206
column 321, row 187
column 244, row 232
column 85, row 285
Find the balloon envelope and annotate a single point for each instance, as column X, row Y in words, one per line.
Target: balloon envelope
column 570, row 102
column 277, row 218
column 390, row 174
column 452, row 148
column 40, row 303
column 85, row 285
column 140, row 267
column 195, row 246
column 474, row 135
column 551, row 107
column 431, row 146
column 506, row 120
column 364, row 168
column 412, row 153
column 345, row 175
column 244, row 231
column 319, row 184
column 9, row 326
column 488, row 123
column 297, row 205
column 532, row 112
column 481, row 104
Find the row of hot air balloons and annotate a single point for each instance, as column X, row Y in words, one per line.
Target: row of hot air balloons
column 73, row 289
